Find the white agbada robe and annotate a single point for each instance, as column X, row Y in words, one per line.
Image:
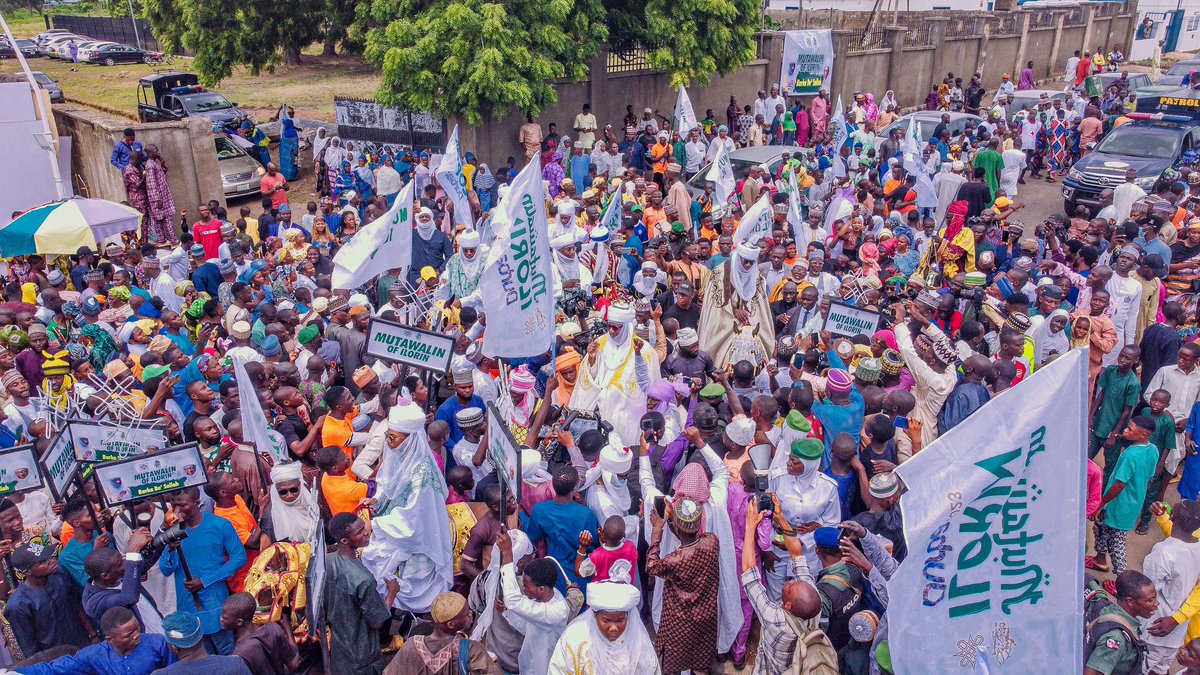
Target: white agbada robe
column 1124, row 196
column 716, row 520
column 607, row 494
column 946, row 184
column 542, row 623
column 584, row 649
column 1126, row 294
column 411, row 539
column 1014, row 161
column 521, row 547
column 615, row 380
column 811, row 497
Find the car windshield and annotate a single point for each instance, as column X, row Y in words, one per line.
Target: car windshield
column 206, row 102
column 741, row 169
column 1183, row 68
column 925, row 127
column 43, row 78
column 1146, row 142
column 227, row 150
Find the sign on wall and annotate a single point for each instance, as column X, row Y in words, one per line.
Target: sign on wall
column 807, row 62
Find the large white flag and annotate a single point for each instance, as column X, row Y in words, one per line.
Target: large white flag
column 800, row 234
column 721, row 176
column 255, row 430
column 612, row 213
column 518, row 286
column 837, row 122
column 913, row 164
column 685, row 115
column 756, row 221
column 994, row 518
column 384, row 244
column 450, row 176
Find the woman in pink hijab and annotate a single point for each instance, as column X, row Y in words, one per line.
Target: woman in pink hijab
column 870, row 110
column 803, row 126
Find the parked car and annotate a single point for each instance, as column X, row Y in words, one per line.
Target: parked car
column 28, row 47
column 111, row 54
column 927, row 120
column 1175, row 74
column 240, row 173
column 1135, row 81
column 59, row 47
column 1031, row 97
column 86, row 51
column 7, row 51
column 740, row 161
column 82, row 49
column 50, row 85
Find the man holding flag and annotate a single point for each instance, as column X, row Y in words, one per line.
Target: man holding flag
column 450, row 177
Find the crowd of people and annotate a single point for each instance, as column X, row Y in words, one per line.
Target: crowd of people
column 699, row 452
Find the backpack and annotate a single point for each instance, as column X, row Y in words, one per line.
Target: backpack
column 1095, row 623
column 814, row 654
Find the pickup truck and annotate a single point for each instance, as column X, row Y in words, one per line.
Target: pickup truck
column 172, row 96
column 1153, row 142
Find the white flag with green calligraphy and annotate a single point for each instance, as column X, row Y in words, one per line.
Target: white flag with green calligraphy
column 450, row 176
column 756, row 222
column 994, row 518
column 518, row 286
column 385, row 243
column 685, row 115
column 723, row 180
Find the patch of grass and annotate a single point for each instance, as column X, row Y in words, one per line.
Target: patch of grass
column 308, row 87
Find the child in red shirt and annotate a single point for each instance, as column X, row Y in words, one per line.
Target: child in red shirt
column 614, row 558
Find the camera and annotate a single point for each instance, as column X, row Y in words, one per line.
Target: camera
column 166, row 537
column 765, row 502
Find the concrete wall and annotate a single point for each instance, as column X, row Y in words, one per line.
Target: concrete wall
column 907, row 57
column 186, row 146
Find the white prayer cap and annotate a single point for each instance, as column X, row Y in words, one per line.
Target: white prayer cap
column 531, row 467
column 620, row 313
column 424, row 211
column 359, row 300
column 562, row 241
column 468, row 239
column 566, row 208
column 747, row 250
column 615, row 458
column 650, row 265
column 687, row 337
column 741, row 431
column 406, row 418
column 957, row 166
column 599, row 233
column 611, row 596
column 287, row 471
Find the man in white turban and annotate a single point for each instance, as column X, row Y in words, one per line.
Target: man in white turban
column 736, row 308
column 294, row 511
column 411, row 540
column 598, row 259
column 609, row 638
column 615, row 374
column 566, row 220
column 607, row 486
column 568, row 272
column 460, row 280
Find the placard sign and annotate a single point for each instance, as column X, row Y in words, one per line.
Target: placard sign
column 97, row 442
column 59, row 465
column 846, row 321
column 410, row 346
column 19, row 471
column 151, row 475
column 504, row 451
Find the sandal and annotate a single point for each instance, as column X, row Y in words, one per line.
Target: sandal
column 1091, row 565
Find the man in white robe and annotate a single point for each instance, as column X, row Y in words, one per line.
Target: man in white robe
column 946, row 185
column 615, row 374
column 568, row 271
column 609, row 638
column 411, row 540
column 608, row 487
column 1126, row 298
column 459, row 282
column 1126, row 194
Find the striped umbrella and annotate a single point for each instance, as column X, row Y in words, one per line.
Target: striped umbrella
column 63, row 227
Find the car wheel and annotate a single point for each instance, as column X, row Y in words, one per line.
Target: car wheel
column 109, row 61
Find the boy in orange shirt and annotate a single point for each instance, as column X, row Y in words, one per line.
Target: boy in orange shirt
column 340, row 488
column 224, row 488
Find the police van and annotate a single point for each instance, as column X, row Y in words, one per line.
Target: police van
column 1163, row 134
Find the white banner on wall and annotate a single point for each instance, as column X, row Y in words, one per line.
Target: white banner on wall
column 807, row 62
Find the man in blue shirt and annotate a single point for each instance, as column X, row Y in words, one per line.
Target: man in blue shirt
column 559, row 521
column 126, row 649
column 214, row 553
column 125, row 147
column 44, row 610
column 464, row 397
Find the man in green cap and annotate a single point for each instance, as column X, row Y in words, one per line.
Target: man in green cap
column 1111, row 638
column 310, row 341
